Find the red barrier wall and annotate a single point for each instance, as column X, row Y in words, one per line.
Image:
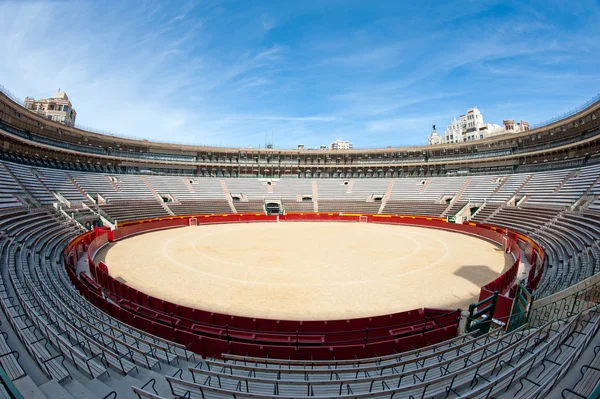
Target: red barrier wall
column 211, row 333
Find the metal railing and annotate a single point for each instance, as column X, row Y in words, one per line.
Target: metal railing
column 11, row 96
column 569, row 302
column 8, row 385
column 568, row 113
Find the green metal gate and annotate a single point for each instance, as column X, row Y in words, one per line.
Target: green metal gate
column 481, row 314
column 519, row 314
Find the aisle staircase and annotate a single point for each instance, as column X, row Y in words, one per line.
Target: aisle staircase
column 386, row 196
column 315, row 196
column 157, row 196
column 227, row 195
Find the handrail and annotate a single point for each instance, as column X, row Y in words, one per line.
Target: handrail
column 568, row 113
column 8, row 385
column 570, row 301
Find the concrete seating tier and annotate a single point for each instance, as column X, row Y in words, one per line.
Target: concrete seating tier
column 131, row 210
column 56, row 343
column 202, row 206
column 295, row 206
column 71, row 349
column 486, row 210
column 249, row 207
column 31, row 183
column 421, row 208
column 481, row 188
column 455, row 208
column 349, row 206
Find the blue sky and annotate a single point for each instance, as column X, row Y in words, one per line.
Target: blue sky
column 377, row 73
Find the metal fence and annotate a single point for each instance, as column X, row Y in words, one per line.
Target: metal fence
column 568, row 113
column 11, row 96
column 569, row 302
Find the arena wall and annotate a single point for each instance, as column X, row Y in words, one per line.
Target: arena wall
column 212, row 334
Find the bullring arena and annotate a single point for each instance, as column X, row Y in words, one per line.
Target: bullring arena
column 307, row 270
column 140, row 270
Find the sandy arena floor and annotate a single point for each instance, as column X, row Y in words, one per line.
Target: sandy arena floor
column 307, row 270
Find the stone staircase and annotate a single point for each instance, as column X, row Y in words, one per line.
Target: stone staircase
column 386, row 196
column 493, row 213
column 350, row 186
column 112, row 183
column 189, row 186
column 227, row 195
column 424, row 186
column 77, row 186
column 26, row 194
column 523, row 185
column 37, row 174
column 315, row 195
column 594, row 184
column 497, row 189
column 571, row 174
column 158, row 197
column 479, row 210
column 456, row 197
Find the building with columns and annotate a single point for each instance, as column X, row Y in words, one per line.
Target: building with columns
column 57, row 108
column 470, row 127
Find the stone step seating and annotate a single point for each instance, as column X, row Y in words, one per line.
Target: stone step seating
column 249, row 207
column 96, row 183
column 541, row 189
column 363, row 188
column 551, row 363
column 465, row 370
column 131, row 210
column 419, row 208
column 57, row 180
column 434, row 188
column 295, row 206
column 509, row 188
column 589, row 380
column 253, row 189
column 488, row 209
column 575, row 235
column 348, row 206
column 132, row 187
column 200, row 207
column 524, row 219
column 579, row 184
column 454, row 208
column 174, row 186
column 8, row 190
column 31, row 183
column 74, row 343
column 289, row 189
column 480, row 188
column 333, row 189
column 442, row 186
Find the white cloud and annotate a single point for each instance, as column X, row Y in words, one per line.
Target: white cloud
column 218, row 74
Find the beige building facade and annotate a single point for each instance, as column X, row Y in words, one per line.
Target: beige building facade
column 57, row 108
column 471, row 127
